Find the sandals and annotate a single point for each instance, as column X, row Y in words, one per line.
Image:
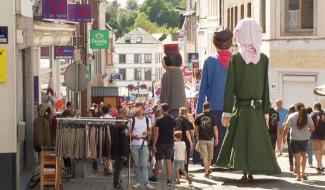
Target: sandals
column 304, row 177
column 189, row 179
column 243, row 178
column 246, row 178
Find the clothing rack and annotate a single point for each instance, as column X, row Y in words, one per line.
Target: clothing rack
column 89, row 120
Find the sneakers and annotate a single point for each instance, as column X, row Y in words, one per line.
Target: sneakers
column 137, row 185
column 153, row 179
column 148, row 186
column 169, row 182
column 119, row 187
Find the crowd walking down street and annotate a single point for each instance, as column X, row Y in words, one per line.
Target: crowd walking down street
column 252, row 132
column 233, row 105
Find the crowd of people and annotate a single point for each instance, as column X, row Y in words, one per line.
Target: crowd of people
column 303, row 129
column 156, row 136
column 234, row 120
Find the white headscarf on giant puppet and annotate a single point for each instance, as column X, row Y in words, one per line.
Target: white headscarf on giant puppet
column 248, row 35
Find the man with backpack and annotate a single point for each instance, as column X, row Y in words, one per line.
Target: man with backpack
column 273, row 125
column 318, row 136
column 139, row 129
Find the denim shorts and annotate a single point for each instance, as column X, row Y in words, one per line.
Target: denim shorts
column 165, row 151
column 298, row 146
column 179, row 164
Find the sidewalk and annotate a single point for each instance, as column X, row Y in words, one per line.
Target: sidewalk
column 219, row 180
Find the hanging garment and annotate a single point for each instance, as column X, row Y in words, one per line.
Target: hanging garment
column 82, row 140
column 120, row 144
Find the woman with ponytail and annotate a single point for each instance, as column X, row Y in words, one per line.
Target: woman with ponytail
column 300, row 125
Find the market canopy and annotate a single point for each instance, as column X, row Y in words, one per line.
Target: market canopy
column 320, row 90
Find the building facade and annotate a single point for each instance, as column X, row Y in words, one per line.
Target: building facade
column 209, row 20
column 293, row 38
column 137, row 61
column 15, row 89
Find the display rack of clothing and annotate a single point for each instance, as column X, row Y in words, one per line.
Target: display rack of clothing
column 90, row 138
column 85, row 138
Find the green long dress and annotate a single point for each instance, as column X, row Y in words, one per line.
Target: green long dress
column 247, row 145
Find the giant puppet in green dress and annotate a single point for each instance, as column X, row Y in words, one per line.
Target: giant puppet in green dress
column 247, row 145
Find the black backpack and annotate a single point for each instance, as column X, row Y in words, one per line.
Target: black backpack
column 274, row 119
column 320, row 124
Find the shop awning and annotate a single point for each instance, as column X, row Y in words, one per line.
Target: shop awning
column 320, row 90
column 104, row 91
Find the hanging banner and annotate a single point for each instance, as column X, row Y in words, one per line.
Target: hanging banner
column 99, row 39
column 192, row 58
column 63, row 52
column 36, row 90
column 55, row 9
column 79, row 13
column 3, row 63
column 45, row 52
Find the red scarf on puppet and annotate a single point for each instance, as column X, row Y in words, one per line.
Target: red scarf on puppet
column 224, row 57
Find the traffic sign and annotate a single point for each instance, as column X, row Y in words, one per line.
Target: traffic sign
column 76, row 77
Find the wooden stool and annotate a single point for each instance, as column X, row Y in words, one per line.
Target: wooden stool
column 50, row 170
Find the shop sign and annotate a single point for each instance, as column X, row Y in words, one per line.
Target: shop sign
column 63, row 52
column 79, row 12
column 3, row 35
column 3, row 62
column 99, row 39
column 55, row 9
column 45, row 52
column 192, row 58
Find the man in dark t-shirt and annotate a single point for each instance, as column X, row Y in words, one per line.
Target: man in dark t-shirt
column 206, row 131
column 163, row 144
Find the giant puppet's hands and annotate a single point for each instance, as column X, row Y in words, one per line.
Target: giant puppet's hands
column 267, row 118
column 226, row 119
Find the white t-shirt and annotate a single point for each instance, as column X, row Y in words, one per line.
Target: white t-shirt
column 296, row 133
column 107, row 116
column 180, row 149
column 139, row 129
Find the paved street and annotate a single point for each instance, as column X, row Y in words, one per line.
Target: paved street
column 219, row 180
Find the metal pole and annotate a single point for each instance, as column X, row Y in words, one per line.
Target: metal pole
column 83, row 33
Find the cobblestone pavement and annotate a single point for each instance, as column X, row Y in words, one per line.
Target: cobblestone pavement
column 223, row 180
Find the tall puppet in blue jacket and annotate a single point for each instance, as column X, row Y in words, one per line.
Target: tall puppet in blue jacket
column 213, row 81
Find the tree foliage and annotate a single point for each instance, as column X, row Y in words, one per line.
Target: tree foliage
column 154, row 16
column 143, row 21
column 161, row 12
column 132, row 5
